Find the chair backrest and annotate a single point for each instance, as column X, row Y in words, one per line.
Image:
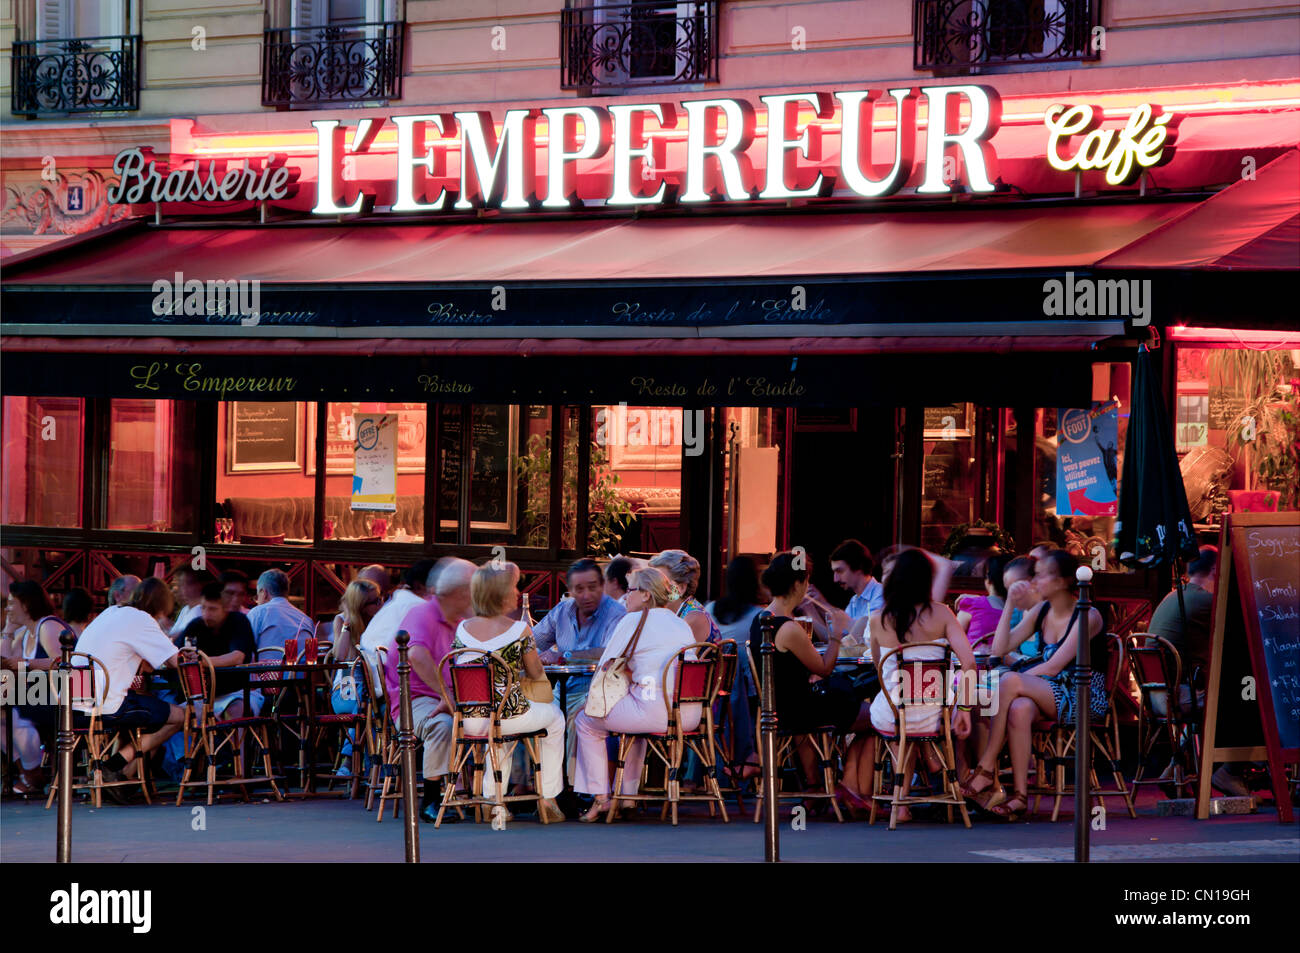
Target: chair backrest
column 372, row 665
column 918, row 681
column 87, row 684
column 473, row 684
column 728, row 656
column 1115, row 663
column 194, row 671
column 697, row 678
column 1154, row 662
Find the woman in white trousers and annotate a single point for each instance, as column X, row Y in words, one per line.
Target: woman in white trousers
column 645, row 707
column 494, row 593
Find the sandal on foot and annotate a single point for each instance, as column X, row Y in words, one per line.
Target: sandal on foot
column 980, row 772
column 1007, row 811
column 595, row 812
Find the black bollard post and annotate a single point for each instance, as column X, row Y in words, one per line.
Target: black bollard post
column 406, row 743
column 767, row 725
column 1082, row 747
column 67, row 641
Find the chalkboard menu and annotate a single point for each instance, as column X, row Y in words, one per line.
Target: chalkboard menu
column 1254, row 681
column 948, row 421
column 1226, row 406
column 262, row 436
column 493, row 453
column 1273, row 567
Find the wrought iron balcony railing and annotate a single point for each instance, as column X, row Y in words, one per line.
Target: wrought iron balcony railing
column 311, row 66
column 647, row 43
column 89, row 74
column 957, row 36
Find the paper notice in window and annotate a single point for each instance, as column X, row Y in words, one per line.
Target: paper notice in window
column 374, row 470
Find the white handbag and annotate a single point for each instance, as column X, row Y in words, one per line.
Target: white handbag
column 611, row 683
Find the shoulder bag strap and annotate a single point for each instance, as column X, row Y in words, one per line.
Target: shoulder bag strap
column 636, row 636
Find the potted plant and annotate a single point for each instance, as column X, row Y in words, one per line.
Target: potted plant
column 1265, row 432
column 609, row 516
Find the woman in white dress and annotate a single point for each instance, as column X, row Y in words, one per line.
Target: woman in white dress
column 911, row 615
column 494, row 594
column 645, row 707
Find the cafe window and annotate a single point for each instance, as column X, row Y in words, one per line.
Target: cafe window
column 266, row 476
column 151, row 466
column 43, row 443
column 376, row 498
column 949, row 494
column 635, row 502
column 1235, row 422
column 1078, row 459
column 752, row 474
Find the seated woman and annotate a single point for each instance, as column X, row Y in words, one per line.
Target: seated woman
column 644, row 708
column 734, row 614
column 979, row 615
column 911, row 615
column 799, row 707
column 683, row 571
column 32, row 644
column 494, row 594
column 361, row 600
column 1043, row 691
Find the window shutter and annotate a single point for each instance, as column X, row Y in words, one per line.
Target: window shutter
column 309, row 12
column 52, row 19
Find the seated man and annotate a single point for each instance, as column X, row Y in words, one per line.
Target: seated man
column 1193, row 639
column 275, row 619
column 851, row 567
column 123, row 637
column 235, row 590
column 227, row 639
column 382, row 629
column 431, row 626
column 581, row 625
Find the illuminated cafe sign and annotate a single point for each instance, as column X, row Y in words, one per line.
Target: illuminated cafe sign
column 498, row 161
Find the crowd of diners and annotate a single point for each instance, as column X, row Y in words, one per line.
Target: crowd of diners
column 1019, row 637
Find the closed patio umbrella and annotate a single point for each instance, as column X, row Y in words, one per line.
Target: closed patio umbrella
column 1155, row 524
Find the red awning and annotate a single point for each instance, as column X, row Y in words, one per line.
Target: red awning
column 1253, row 224
column 1036, row 237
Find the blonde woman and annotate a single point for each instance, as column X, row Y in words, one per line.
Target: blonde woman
column 645, row 707
column 361, row 600
column 683, row 572
column 494, row 594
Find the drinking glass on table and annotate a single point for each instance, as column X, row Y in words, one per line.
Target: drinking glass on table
column 380, row 526
column 329, row 527
column 370, row 526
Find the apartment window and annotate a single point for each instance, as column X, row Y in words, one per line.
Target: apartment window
column 334, row 51
column 81, row 59
column 963, row 36
column 608, row 46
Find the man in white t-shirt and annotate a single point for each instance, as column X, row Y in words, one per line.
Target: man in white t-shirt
column 122, row 637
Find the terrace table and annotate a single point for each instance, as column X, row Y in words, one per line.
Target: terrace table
column 562, row 673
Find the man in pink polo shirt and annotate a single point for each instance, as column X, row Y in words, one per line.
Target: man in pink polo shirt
column 431, row 627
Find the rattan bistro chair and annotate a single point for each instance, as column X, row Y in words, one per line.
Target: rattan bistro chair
column 822, row 741
column 929, row 683
column 694, row 683
column 1053, row 744
column 88, row 684
column 483, row 680
column 378, row 729
column 208, row 733
column 731, row 709
column 1170, row 709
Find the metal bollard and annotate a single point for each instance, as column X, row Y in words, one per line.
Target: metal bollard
column 63, row 852
column 406, row 742
column 767, row 726
column 1082, row 739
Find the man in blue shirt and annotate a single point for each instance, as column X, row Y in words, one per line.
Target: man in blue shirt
column 581, row 624
column 851, row 565
column 274, row 619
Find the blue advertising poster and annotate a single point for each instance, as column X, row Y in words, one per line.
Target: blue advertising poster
column 1087, row 461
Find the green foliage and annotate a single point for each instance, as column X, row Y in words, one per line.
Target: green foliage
column 1266, row 431
column 609, row 513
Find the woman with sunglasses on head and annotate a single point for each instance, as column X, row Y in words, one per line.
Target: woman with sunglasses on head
column 1044, row 690
column 361, row 600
